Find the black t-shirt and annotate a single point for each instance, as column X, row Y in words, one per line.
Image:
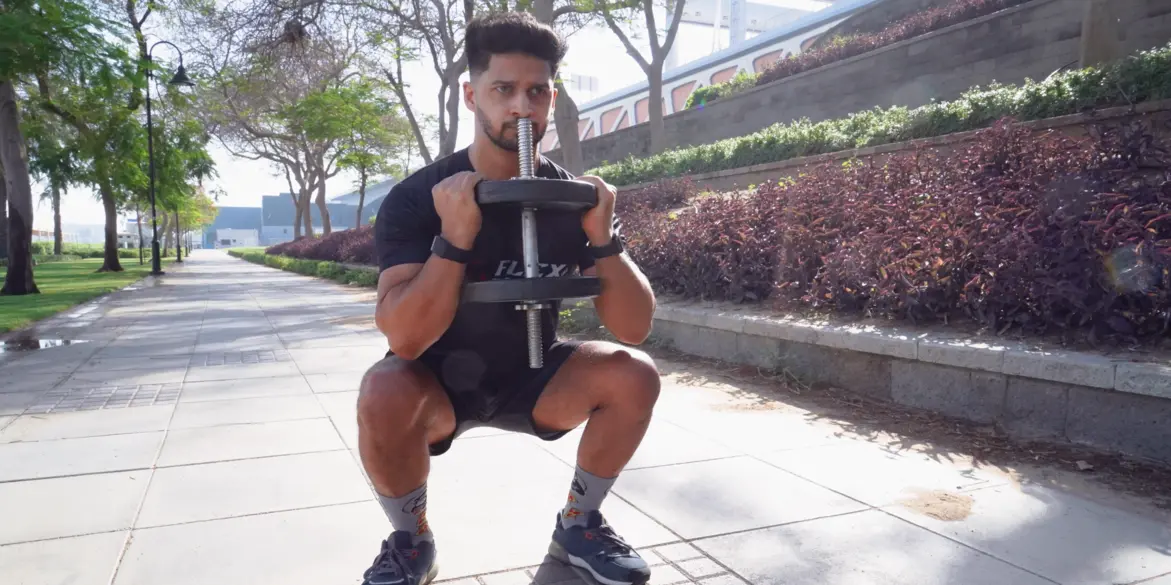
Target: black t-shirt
column 492, row 337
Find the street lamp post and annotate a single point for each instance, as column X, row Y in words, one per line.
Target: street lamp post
column 180, row 78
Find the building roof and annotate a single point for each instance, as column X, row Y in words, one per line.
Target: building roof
column 373, row 191
column 243, row 218
column 278, row 210
column 839, row 9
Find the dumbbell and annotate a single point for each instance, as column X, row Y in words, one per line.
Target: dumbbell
column 530, row 194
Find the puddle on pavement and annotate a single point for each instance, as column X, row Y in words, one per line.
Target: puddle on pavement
column 34, row 344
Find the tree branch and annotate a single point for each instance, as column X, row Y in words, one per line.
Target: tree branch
column 642, row 62
column 676, row 18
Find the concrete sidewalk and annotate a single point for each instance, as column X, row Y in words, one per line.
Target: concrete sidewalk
column 202, row 432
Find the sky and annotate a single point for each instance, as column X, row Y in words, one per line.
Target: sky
column 595, row 51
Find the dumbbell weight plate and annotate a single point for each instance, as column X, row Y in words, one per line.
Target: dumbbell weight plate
column 531, row 289
column 559, row 194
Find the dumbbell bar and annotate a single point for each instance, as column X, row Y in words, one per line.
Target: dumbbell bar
column 538, row 193
column 531, row 289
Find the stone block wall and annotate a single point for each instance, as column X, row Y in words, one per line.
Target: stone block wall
column 1028, row 41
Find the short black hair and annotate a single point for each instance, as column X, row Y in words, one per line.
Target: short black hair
column 499, row 33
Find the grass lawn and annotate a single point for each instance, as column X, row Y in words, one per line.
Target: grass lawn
column 64, row 285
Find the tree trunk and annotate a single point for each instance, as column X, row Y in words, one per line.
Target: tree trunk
column 566, row 116
column 326, row 225
column 297, row 216
column 3, row 214
column 19, row 277
column 449, row 131
column 138, row 221
column 361, row 198
column 306, row 214
column 178, row 237
column 57, row 236
column 655, row 107
column 165, row 229
column 110, row 263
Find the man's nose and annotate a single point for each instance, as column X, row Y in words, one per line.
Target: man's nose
column 522, row 106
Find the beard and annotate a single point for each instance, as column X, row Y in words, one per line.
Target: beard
column 498, row 136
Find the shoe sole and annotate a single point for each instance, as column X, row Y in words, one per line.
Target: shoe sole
column 558, row 552
column 429, row 577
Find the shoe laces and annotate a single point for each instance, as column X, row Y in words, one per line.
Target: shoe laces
column 393, row 561
column 612, row 544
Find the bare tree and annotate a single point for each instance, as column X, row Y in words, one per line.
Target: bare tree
column 653, row 67
column 262, row 60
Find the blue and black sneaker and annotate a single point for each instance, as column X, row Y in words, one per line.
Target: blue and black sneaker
column 597, row 549
column 402, row 563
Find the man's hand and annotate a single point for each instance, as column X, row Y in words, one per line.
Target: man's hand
column 598, row 222
column 455, row 202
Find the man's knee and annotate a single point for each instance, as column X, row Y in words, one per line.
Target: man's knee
column 634, row 377
column 394, row 394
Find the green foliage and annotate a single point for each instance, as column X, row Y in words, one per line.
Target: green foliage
column 741, row 82
column 81, row 251
column 63, row 285
column 321, row 269
column 1145, row 76
column 37, row 33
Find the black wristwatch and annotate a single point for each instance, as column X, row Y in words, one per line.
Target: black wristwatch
column 614, row 248
column 449, row 251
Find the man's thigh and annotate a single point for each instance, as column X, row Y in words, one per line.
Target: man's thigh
column 596, row 374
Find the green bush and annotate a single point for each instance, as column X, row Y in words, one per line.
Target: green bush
column 1145, row 76
column 321, row 269
column 741, row 82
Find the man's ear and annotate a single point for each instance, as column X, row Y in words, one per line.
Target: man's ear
column 469, row 96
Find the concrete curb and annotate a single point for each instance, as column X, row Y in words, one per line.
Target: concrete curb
column 1120, row 404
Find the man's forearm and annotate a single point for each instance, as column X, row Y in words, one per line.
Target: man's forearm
column 415, row 313
column 627, row 303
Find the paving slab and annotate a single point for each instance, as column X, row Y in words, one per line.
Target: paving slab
column 209, row 425
column 245, row 410
column 70, row 506
column 866, row 547
column 332, row 544
column 247, row 441
column 1060, row 536
column 727, row 495
column 63, row 457
column 191, row 493
column 93, row 423
column 80, row 560
column 879, row 476
column 244, row 388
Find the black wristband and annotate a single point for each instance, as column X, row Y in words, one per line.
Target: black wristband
column 449, row 251
column 613, row 248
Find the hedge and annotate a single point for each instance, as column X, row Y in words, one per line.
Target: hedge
column 82, row 250
column 1033, row 233
column 319, row 268
column 841, row 48
column 1145, row 76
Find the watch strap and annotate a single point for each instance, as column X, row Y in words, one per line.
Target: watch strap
column 613, row 248
column 448, row 251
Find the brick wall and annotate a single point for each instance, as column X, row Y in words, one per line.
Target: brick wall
column 1029, row 41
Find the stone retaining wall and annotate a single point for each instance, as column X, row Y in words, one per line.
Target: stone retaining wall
column 1108, row 402
column 1157, row 114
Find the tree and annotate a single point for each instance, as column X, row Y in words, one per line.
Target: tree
column 362, row 120
column 19, row 278
column 52, row 159
column 254, row 102
column 653, row 68
column 34, row 37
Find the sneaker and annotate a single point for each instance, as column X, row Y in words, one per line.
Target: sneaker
column 596, row 548
column 401, row 563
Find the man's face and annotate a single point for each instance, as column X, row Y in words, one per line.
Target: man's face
column 514, row 86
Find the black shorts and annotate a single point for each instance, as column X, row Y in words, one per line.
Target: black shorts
column 504, row 402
